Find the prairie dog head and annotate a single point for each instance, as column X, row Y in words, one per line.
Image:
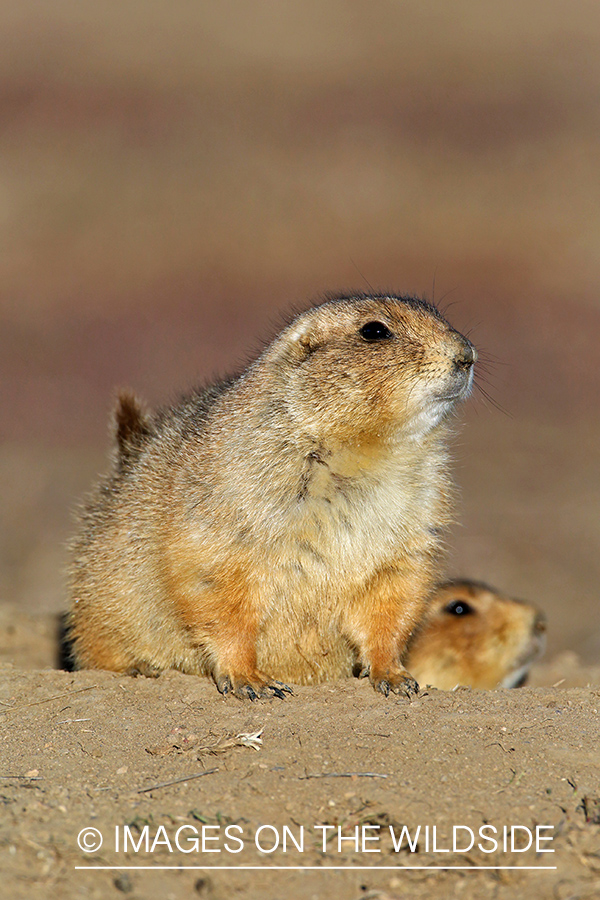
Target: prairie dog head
column 474, row 636
column 371, row 365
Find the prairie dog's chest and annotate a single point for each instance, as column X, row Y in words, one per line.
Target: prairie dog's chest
column 349, row 519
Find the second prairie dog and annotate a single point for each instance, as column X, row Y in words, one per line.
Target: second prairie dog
column 286, row 524
column 474, row 636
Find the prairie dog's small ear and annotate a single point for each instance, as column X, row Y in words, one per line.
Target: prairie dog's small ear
column 305, row 337
column 300, row 333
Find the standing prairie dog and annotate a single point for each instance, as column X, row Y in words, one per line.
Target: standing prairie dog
column 285, row 524
column 474, row 636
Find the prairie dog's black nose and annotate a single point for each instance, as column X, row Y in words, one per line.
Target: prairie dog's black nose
column 466, row 356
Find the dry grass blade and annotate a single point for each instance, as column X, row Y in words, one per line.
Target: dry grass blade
column 165, row 784
column 342, row 775
column 47, row 700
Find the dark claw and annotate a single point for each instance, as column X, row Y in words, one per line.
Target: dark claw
column 244, row 691
column 277, row 692
column 223, row 684
column 384, row 687
column 281, row 689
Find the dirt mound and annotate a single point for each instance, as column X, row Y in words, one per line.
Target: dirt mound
column 170, row 774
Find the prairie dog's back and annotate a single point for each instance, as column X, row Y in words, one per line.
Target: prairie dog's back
column 474, row 636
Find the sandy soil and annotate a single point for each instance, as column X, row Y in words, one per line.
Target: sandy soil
column 174, row 178
column 149, row 763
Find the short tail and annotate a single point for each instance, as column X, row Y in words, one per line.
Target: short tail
column 133, row 428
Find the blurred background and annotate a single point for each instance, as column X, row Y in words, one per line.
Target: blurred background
column 176, row 176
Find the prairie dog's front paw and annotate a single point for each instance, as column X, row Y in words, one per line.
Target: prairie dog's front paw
column 395, row 680
column 253, row 687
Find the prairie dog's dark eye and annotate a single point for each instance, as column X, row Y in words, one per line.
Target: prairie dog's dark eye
column 459, row 608
column 375, row 331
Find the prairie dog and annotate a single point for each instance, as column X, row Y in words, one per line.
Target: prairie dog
column 472, row 635
column 284, row 525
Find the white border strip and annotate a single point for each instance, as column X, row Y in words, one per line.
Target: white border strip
column 316, row 868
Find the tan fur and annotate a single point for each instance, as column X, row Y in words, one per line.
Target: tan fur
column 285, row 525
column 492, row 644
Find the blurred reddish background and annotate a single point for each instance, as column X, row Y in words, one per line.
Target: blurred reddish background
column 175, row 176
